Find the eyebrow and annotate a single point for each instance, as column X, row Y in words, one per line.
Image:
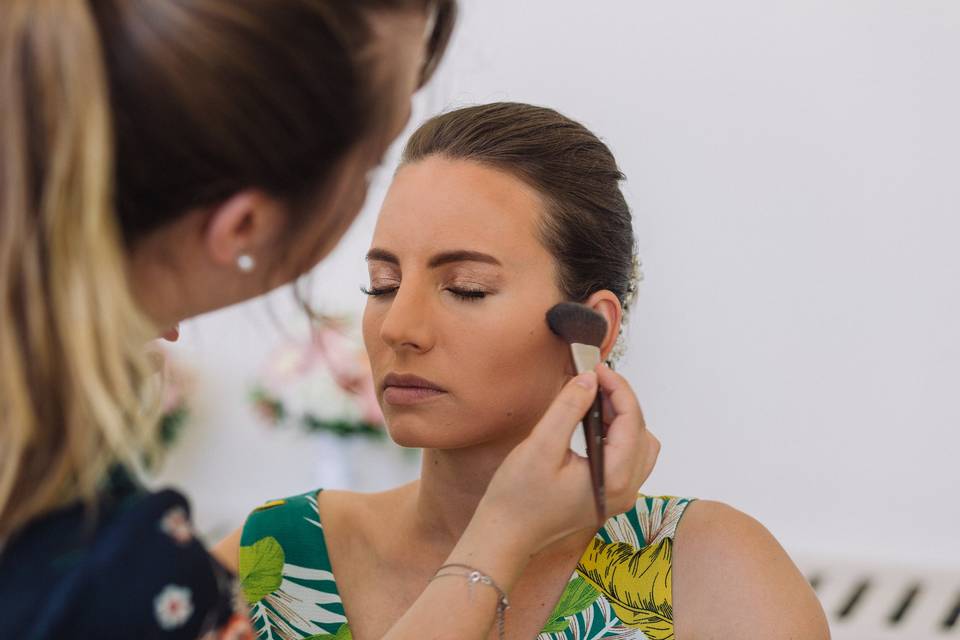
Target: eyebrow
column 440, row 259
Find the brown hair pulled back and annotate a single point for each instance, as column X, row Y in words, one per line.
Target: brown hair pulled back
column 587, row 226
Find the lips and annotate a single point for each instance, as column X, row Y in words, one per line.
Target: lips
column 409, row 381
column 407, row 389
column 172, row 334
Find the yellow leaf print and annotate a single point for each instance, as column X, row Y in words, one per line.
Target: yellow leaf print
column 637, row 583
column 269, row 505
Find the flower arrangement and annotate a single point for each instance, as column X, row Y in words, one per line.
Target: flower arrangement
column 177, row 386
column 321, row 384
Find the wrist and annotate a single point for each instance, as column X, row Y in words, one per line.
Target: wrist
column 494, row 546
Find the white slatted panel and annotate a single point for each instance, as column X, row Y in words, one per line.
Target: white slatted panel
column 870, row 617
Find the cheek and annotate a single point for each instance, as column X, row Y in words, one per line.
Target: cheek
column 370, row 324
column 514, row 380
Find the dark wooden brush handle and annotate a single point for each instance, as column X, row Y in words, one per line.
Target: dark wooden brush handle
column 593, row 434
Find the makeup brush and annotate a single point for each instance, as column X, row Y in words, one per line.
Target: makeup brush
column 584, row 329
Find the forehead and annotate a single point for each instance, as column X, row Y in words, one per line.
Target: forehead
column 438, row 204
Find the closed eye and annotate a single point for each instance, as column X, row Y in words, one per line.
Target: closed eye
column 470, row 295
column 376, row 292
column 467, row 295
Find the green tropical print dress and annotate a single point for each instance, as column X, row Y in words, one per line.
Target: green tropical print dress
column 622, row 586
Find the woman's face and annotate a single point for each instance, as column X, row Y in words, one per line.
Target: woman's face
column 461, row 286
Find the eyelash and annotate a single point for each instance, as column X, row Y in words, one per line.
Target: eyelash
column 374, row 292
column 467, row 295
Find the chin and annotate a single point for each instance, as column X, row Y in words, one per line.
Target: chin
column 413, row 438
column 415, row 432
column 420, row 432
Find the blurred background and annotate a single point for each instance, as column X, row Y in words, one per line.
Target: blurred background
column 794, row 173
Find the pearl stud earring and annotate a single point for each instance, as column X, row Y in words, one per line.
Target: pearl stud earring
column 245, row 263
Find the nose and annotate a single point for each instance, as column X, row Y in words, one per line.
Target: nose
column 406, row 323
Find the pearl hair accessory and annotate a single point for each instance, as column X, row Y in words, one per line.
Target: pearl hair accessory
column 636, row 277
column 245, row 263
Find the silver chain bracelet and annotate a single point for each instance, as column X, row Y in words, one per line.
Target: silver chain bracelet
column 474, row 577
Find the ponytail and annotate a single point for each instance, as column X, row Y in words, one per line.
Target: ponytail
column 72, row 340
column 107, row 136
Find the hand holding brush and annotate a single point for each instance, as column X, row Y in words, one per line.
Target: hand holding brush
column 584, row 330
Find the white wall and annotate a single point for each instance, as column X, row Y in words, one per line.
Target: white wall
column 794, row 170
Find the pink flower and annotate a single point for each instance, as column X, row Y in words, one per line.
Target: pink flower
column 330, row 365
column 288, row 362
column 350, row 368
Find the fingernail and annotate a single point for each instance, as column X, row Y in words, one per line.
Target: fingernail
column 586, row 380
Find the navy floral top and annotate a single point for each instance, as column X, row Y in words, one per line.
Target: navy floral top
column 132, row 569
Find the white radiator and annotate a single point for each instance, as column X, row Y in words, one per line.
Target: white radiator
column 883, row 603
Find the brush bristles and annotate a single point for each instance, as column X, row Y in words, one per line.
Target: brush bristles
column 576, row 323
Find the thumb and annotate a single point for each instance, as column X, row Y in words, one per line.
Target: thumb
column 552, row 434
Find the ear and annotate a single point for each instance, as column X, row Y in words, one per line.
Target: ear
column 606, row 303
column 246, row 223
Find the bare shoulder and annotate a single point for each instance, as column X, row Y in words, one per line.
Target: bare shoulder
column 732, row 579
column 336, row 505
column 227, row 551
column 356, row 518
column 354, row 510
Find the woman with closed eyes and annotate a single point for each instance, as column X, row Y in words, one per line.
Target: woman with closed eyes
column 497, row 213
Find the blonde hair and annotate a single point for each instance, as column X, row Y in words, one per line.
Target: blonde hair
column 72, row 357
column 118, row 116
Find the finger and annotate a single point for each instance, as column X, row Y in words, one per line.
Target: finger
column 649, row 460
column 617, row 391
column 624, row 482
column 625, row 417
column 608, row 412
column 627, row 446
column 554, row 430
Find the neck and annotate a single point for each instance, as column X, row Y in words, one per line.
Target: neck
column 452, row 483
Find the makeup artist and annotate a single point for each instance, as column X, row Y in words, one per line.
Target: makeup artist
column 159, row 160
